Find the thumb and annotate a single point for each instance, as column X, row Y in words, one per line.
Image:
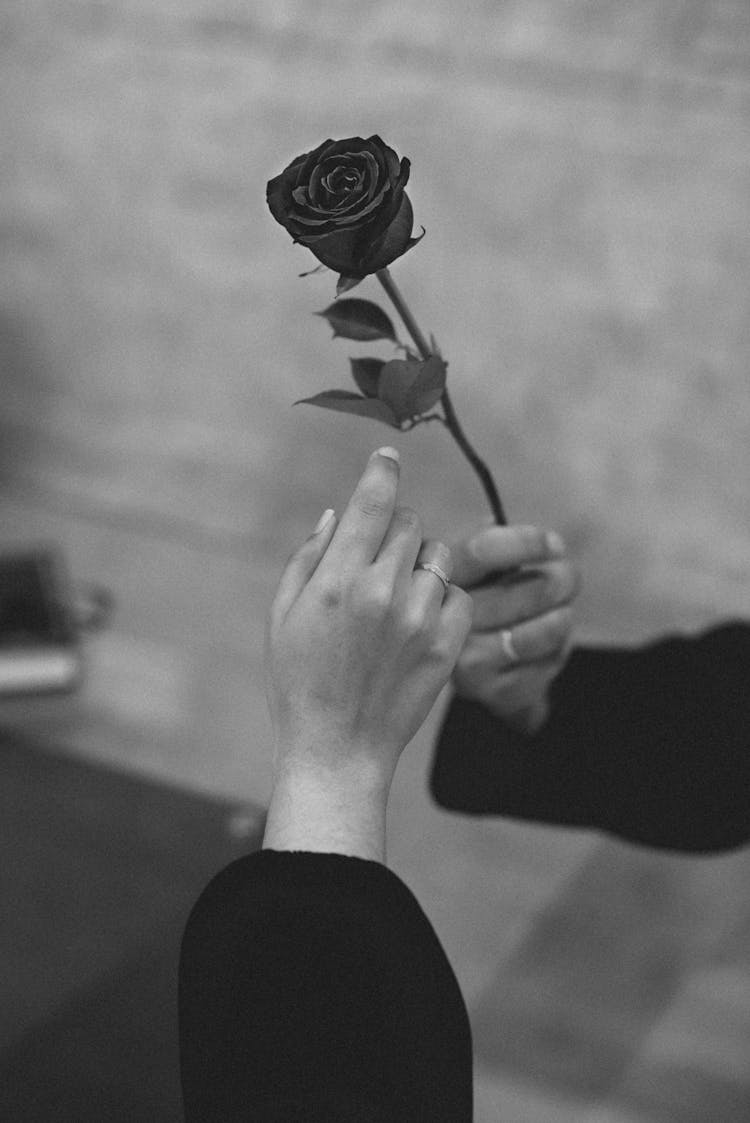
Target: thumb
column 302, row 564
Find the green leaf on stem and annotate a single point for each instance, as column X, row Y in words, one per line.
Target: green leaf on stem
column 346, row 402
column 358, row 319
column 412, row 387
column 366, row 373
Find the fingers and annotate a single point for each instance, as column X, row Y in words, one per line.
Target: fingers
column 520, row 697
column 300, row 567
column 454, row 627
column 544, row 638
column 525, row 594
column 497, row 548
column 426, row 588
column 425, row 604
column 366, row 519
column 400, row 549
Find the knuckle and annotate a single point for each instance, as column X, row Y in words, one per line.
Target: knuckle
column 331, row 594
column 440, row 651
column 372, row 597
column 415, row 622
column 408, row 518
column 372, row 505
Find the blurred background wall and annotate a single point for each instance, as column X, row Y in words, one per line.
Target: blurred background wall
column 582, row 169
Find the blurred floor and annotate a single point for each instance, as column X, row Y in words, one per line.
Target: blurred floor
column 583, row 171
column 99, row 873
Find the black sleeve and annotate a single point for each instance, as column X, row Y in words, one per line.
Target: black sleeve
column 651, row 744
column 313, row 987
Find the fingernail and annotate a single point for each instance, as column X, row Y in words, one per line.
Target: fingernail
column 555, row 544
column 323, row 520
column 391, row 453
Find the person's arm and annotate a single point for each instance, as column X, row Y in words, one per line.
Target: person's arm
column 651, row 744
column 342, row 812
column 312, row 986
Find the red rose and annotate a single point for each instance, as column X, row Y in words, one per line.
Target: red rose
column 346, row 202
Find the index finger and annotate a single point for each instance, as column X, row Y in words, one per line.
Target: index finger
column 499, row 548
column 363, row 525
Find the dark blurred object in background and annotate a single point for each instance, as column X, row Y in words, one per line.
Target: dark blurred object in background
column 41, row 621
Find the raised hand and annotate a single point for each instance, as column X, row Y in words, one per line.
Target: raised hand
column 359, row 644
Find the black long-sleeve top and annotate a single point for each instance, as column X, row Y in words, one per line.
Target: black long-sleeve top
column 313, row 987
column 649, row 743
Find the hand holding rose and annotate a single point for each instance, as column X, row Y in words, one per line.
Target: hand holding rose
column 522, row 584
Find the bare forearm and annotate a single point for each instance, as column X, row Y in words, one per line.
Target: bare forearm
column 329, row 813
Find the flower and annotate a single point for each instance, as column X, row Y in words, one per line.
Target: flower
column 346, row 202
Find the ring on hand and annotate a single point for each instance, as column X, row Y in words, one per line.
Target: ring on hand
column 436, row 570
column 509, row 648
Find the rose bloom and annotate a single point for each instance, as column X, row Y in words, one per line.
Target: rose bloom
column 346, row 202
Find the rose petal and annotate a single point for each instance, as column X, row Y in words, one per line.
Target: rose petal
column 343, row 182
column 356, row 200
column 394, row 242
column 392, row 163
column 344, row 218
column 307, row 220
column 352, row 144
column 315, row 178
column 380, row 149
column 305, row 164
column 336, row 250
column 279, row 198
column 372, row 173
column 403, row 178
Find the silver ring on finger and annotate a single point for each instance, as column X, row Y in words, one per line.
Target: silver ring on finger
column 433, row 568
column 509, row 648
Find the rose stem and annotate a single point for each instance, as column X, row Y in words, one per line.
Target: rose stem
column 451, row 420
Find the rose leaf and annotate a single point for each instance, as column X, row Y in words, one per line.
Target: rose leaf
column 366, row 373
column 346, row 402
column 428, row 388
column 358, row 319
column 412, row 387
column 395, row 384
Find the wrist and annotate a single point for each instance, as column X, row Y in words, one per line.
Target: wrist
column 339, row 811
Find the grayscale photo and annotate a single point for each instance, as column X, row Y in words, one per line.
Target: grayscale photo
column 348, row 773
